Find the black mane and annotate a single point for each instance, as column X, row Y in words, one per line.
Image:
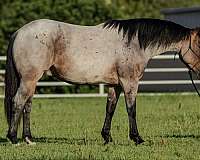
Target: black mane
column 150, row 31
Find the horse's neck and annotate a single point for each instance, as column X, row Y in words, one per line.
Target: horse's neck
column 154, row 51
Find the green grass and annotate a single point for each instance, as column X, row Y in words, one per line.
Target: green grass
column 70, row 129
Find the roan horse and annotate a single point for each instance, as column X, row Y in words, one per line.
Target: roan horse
column 115, row 53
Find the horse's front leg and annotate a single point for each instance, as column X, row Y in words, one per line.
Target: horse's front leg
column 130, row 92
column 113, row 96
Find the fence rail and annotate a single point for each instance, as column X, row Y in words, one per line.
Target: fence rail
column 101, row 86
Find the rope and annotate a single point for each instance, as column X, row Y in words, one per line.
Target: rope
column 190, row 70
column 195, row 87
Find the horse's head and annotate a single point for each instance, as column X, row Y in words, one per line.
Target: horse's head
column 190, row 51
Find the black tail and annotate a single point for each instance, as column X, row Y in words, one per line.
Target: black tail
column 11, row 81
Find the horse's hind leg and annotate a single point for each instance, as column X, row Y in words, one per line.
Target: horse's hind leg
column 25, row 90
column 113, row 96
column 26, row 121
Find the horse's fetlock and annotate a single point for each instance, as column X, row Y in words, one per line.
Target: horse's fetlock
column 12, row 137
column 136, row 138
column 28, row 135
column 106, row 136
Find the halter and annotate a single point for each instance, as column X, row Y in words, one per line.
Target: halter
column 190, row 69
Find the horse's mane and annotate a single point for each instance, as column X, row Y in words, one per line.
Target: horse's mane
column 153, row 32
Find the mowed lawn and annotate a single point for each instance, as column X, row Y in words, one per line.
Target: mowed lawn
column 70, row 129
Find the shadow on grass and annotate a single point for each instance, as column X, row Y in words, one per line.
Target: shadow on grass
column 181, row 136
column 3, row 140
column 78, row 141
column 62, row 140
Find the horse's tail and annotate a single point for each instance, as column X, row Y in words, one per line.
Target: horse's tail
column 11, row 80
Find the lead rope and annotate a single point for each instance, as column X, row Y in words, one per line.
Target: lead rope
column 189, row 68
column 195, row 87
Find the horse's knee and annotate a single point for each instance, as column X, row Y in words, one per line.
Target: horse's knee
column 24, row 92
column 19, row 103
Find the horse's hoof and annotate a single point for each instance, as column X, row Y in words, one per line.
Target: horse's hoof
column 107, row 140
column 28, row 141
column 136, row 139
column 107, row 137
column 12, row 138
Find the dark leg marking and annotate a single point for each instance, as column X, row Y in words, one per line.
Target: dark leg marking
column 16, row 114
column 130, row 92
column 112, row 99
column 26, row 120
column 133, row 133
column 25, row 91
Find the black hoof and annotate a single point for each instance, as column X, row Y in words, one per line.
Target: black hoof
column 136, row 139
column 107, row 137
column 12, row 138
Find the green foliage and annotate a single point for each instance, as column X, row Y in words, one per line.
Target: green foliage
column 148, row 8
column 15, row 13
column 70, row 129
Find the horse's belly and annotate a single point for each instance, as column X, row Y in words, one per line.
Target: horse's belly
column 86, row 73
column 91, row 76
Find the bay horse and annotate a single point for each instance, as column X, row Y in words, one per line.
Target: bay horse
column 114, row 53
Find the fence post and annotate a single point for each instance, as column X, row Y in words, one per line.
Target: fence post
column 101, row 89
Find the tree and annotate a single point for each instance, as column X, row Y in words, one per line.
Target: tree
column 14, row 14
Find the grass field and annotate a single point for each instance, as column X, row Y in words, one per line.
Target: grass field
column 70, row 129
